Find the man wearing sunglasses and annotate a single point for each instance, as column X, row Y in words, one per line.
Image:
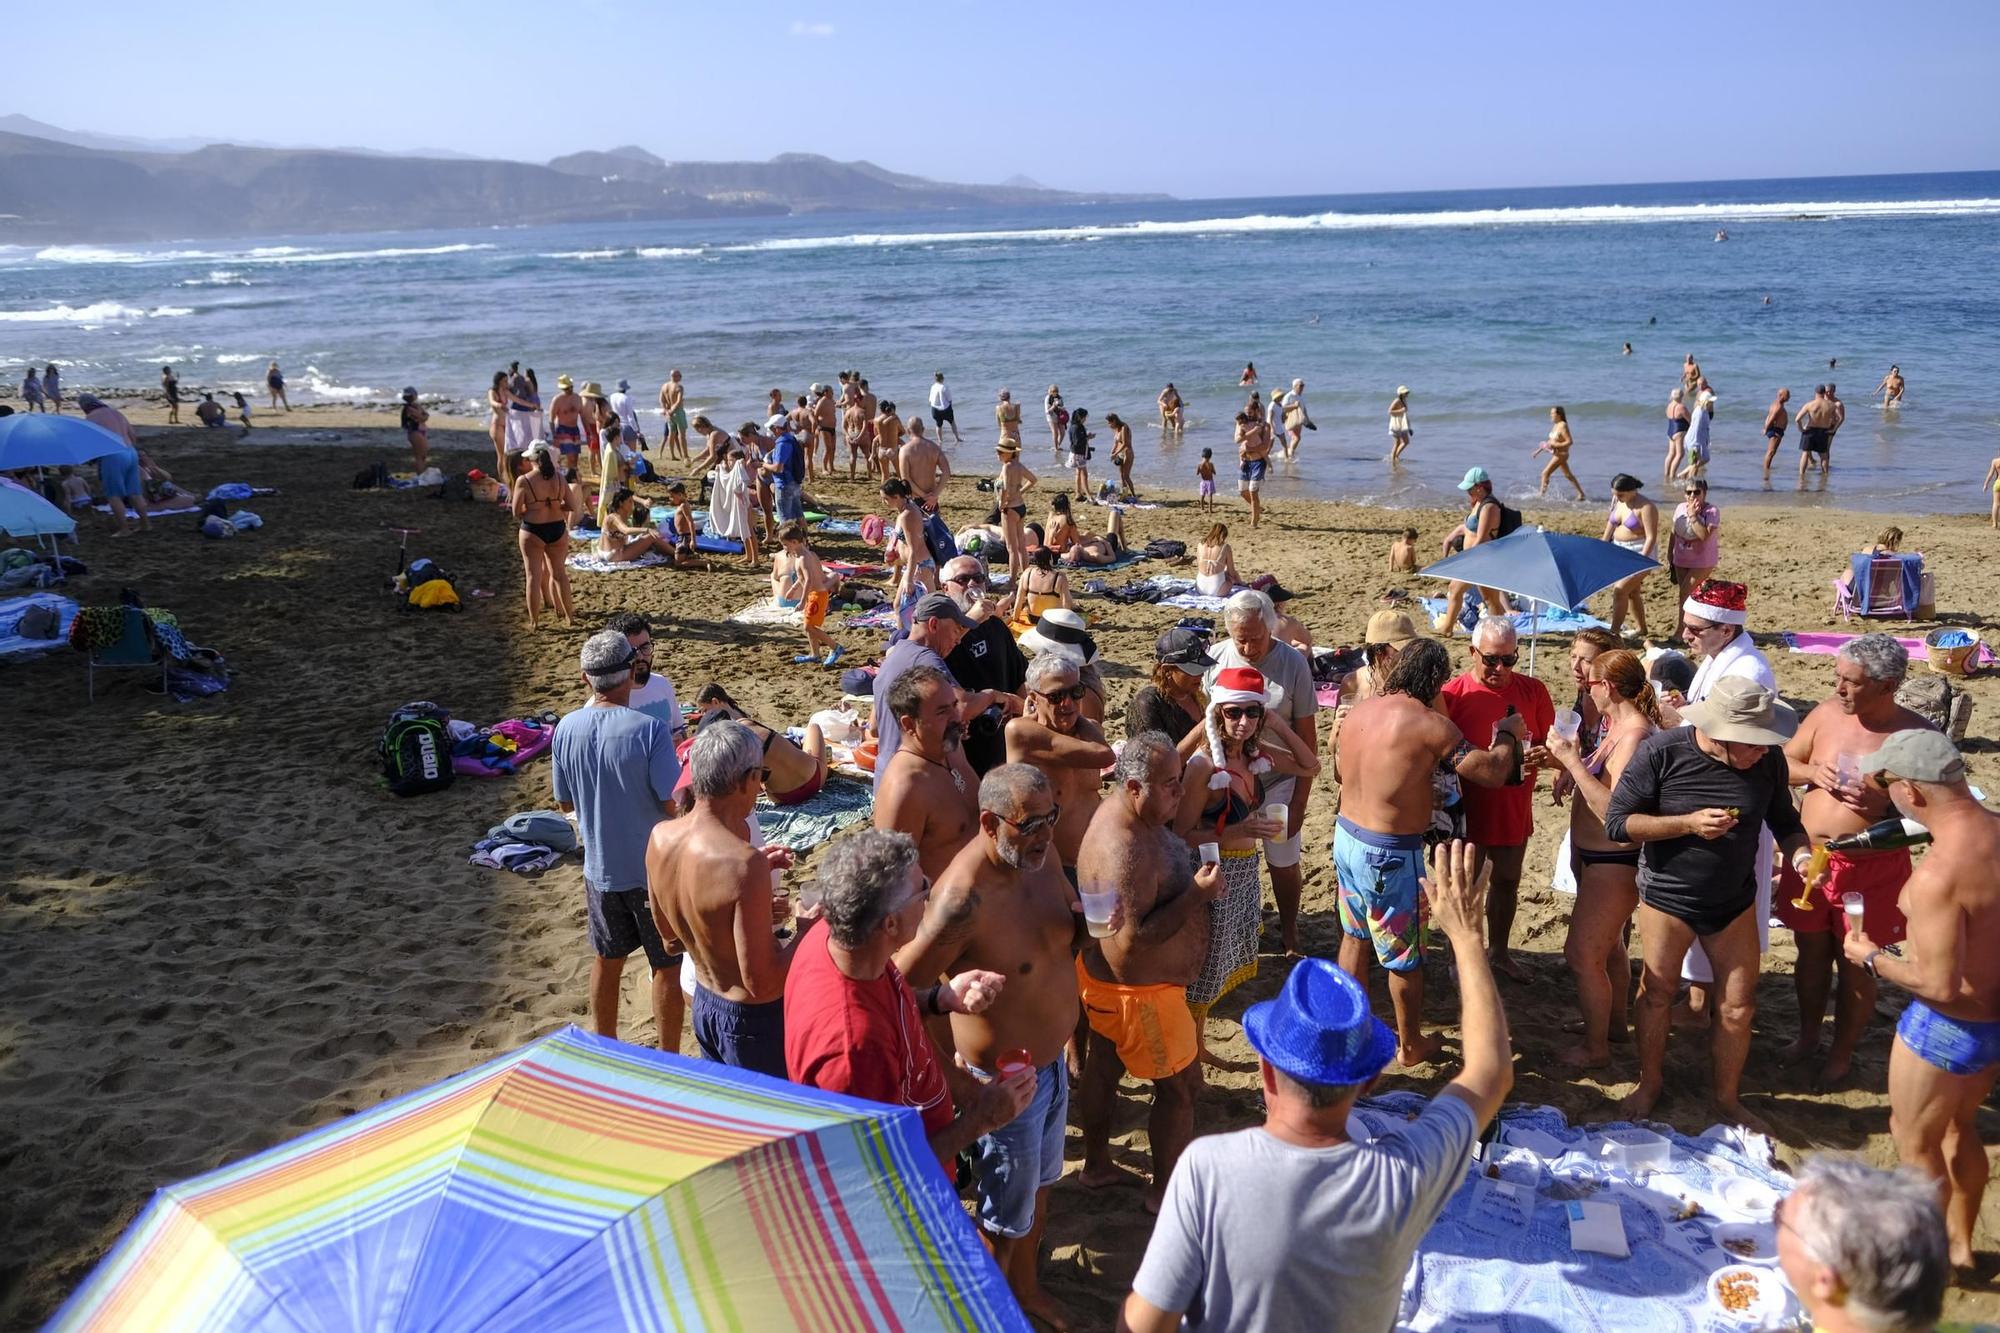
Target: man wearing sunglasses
column 1003, row 906
column 1947, row 1052
column 1055, row 738
column 1499, row 820
column 987, row 663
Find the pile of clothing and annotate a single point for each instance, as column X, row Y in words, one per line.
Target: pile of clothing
column 527, row 843
column 23, row 568
column 495, row 751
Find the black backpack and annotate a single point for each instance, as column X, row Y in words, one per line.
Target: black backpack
column 416, row 750
column 1510, row 519
column 373, row 477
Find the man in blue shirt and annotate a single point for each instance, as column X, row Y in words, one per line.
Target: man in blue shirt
column 615, row 768
column 786, row 467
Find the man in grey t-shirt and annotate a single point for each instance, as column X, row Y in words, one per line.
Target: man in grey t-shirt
column 1291, row 1225
column 1250, row 621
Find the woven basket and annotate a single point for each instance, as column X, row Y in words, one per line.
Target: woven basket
column 1950, row 661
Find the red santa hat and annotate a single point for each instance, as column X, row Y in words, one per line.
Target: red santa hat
column 1718, row 602
column 1235, row 685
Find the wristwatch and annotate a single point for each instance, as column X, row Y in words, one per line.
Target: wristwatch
column 1869, row 961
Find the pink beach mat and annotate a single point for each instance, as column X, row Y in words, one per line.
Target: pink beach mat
column 1827, row 645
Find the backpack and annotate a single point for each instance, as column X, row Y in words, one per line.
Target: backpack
column 938, row 538
column 1166, row 548
column 1510, row 520
column 546, row 828
column 373, row 477
column 416, row 750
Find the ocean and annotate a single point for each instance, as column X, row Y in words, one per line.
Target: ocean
column 1491, row 305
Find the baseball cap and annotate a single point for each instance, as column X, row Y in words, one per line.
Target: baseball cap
column 606, row 653
column 1918, row 754
column 939, row 606
column 1185, row 649
column 1475, row 476
column 777, row 422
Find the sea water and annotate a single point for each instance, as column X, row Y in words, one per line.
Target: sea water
column 1491, row 305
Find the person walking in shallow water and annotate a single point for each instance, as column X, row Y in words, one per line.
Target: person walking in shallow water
column 274, row 383
column 1558, row 446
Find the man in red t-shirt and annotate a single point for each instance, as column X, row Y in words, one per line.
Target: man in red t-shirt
column 853, row 1025
column 1499, row 819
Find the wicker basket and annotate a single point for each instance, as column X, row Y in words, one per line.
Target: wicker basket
column 1957, row 661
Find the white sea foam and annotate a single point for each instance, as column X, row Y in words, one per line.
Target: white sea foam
column 239, row 358
column 263, row 254
column 96, row 254
column 1482, row 217
column 643, row 252
column 99, row 312
column 321, row 386
column 219, row 277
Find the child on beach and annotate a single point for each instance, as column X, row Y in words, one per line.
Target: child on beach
column 684, row 530
column 1992, row 483
column 1205, row 470
column 243, row 411
column 799, row 580
column 1403, row 553
column 76, row 491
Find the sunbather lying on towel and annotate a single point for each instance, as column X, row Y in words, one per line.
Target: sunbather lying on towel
column 796, row 774
column 1074, row 546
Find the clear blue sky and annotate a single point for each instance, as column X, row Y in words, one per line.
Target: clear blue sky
column 1218, row 99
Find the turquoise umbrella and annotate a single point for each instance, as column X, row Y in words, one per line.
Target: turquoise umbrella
column 26, row 514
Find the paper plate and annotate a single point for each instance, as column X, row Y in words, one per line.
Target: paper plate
column 1747, row 1242
column 1758, row 1295
column 1752, row 1199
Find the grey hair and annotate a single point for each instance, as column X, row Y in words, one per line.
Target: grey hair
column 1883, row 1233
column 857, row 877
column 1006, row 789
column 607, row 683
column 1246, row 603
column 723, row 754
column 1135, row 761
column 1879, row 656
column 1491, row 625
column 1046, row 664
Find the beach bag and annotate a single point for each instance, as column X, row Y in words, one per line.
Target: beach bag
column 545, row 828
column 39, row 621
column 416, row 750
column 1166, row 548
column 1510, row 520
column 938, row 539
column 373, row 477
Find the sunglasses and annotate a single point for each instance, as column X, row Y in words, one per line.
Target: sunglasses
column 1698, row 630
column 968, row 579
column 1026, row 827
column 1074, row 694
column 1498, row 659
column 1237, row 712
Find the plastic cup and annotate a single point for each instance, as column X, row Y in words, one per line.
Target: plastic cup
column 1098, row 905
column 1846, row 771
column 1278, row 811
column 1016, row 1061
column 1211, row 853
column 1855, row 907
column 781, row 906
column 1568, row 723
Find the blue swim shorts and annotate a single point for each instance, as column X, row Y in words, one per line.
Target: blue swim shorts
column 1380, row 898
column 1023, row 1156
column 1955, row 1045
column 746, row 1036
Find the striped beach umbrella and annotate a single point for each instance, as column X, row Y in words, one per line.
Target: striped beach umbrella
column 577, row 1183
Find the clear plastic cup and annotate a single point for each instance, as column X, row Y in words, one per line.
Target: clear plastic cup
column 1567, row 724
column 1098, row 905
column 1847, row 771
column 1278, row 811
column 1211, row 853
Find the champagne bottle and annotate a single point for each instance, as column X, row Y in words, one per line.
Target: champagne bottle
column 1882, row 835
column 1514, row 746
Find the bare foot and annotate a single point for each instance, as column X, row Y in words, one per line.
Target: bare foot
column 1793, row 1052
column 1214, row 1061
column 1427, row 1048
column 1038, row 1304
column 1734, row 1114
column 1110, row 1177
column 1580, row 1056
column 1832, row 1074
column 1685, row 1019
column 1639, row 1103
column 1154, row 1198
column 1618, row 1036
column 1504, row 963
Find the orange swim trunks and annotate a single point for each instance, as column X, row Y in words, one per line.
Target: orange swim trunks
column 1877, row 876
column 815, row 607
column 1151, row 1026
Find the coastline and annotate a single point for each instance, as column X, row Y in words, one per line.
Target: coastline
column 214, row 961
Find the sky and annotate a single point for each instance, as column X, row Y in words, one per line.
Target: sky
column 1191, row 99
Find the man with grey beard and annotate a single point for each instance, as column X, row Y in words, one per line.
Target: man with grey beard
column 1003, row 905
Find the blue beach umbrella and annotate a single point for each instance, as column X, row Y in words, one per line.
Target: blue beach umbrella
column 48, row 439
column 1546, row 568
column 26, row 514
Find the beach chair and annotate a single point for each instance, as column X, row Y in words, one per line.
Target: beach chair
column 136, row 647
column 1879, row 587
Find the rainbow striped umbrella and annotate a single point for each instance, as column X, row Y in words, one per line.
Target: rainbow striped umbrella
column 575, row 1183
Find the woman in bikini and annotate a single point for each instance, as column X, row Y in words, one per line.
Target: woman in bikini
column 497, row 403
column 905, row 522
column 1558, row 445
column 1215, row 564
column 629, row 533
column 1607, row 872
column 545, row 503
column 1041, row 587
column 1677, row 431
column 1007, row 413
column 796, row 773
column 416, row 428
column 1633, row 525
column 1010, row 489
column 1074, row 546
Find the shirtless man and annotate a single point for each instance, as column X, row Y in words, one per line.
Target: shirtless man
column 854, row 425
column 1816, row 427
column 1891, row 388
column 1001, row 907
column 566, row 425
column 866, row 399
column 1861, row 715
column 673, row 404
column 924, row 465
column 825, row 413
column 1775, row 422
column 1054, row 737
column 1134, row 982
column 1253, row 453
column 1947, row 1051
column 1171, row 418
column 802, row 423
column 1391, row 746
column 711, row 891
column 888, row 428
column 926, row 788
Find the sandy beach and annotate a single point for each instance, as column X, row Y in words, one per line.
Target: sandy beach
column 220, row 930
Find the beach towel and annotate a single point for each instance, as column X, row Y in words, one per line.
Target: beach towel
column 1551, row 620
column 1826, row 645
column 840, row 804
column 1501, row 1253
column 1327, row 696
column 155, row 511
column 848, row 570
column 523, row 858
column 764, row 611
column 14, row 644
column 841, row 527
column 1127, row 559
column 239, row 490
column 590, row 562
column 875, row 617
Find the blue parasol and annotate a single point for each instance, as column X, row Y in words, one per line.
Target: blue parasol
column 1546, row 568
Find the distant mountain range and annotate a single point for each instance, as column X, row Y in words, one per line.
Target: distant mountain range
column 60, row 185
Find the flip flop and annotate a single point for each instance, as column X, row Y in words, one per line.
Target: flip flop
column 833, row 656
column 803, row 658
